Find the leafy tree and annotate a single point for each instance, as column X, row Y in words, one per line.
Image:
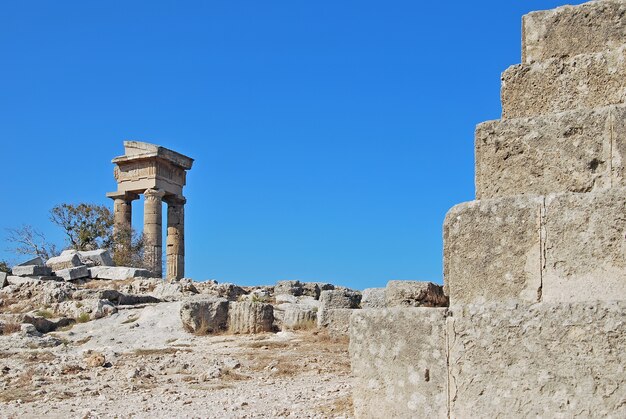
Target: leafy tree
column 86, row 226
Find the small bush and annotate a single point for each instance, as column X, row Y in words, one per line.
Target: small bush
column 46, row 314
column 8, row 328
column 83, row 318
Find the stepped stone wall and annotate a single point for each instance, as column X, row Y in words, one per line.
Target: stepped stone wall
column 535, row 268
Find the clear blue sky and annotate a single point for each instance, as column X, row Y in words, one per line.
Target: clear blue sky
column 330, row 137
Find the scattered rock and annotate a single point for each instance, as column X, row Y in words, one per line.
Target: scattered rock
column 204, row 314
column 250, row 317
column 117, row 272
column 64, row 261
column 71, row 274
column 373, row 298
column 294, row 288
column 299, row 317
column 414, row 294
column 95, row 360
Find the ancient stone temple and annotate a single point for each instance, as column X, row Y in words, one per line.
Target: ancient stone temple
column 160, row 175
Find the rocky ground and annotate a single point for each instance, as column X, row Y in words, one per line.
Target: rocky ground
column 138, row 361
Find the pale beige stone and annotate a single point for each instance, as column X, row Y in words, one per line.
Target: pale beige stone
column 585, row 249
column 399, row 363
column 492, row 250
column 336, row 321
column 250, row 317
column 373, row 298
column 175, row 241
column 204, row 314
column 414, row 294
column 545, row 360
column 575, row 151
column 64, row 261
column 297, row 316
column 555, row 85
column 572, row 30
column 159, row 174
column 336, row 299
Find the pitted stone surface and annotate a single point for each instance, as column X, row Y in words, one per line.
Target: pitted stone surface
column 414, row 294
column 204, row 314
column 556, row 85
column 572, row 30
column 544, row 360
column 336, row 321
column 399, row 363
column 575, row 151
column 585, row 246
column 492, row 250
column 373, row 298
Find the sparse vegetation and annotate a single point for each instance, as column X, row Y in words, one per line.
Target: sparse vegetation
column 10, row 327
column 46, row 314
column 83, row 318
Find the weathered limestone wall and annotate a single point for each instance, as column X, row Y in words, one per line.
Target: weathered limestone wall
column 490, row 360
column 545, row 360
column 574, row 151
column 399, row 362
column 568, row 31
column 562, row 247
column 535, row 269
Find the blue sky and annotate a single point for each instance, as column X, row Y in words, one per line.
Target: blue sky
column 330, row 137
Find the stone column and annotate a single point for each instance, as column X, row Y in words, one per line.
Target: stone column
column 153, row 236
column 175, row 250
column 122, row 216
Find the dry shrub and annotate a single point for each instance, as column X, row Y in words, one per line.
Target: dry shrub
column 9, row 328
column 305, row 325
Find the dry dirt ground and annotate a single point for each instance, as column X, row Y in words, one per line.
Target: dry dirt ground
column 152, row 368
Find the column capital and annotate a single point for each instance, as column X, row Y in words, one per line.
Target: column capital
column 175, row 199
column 123, row 195
column 153, row 194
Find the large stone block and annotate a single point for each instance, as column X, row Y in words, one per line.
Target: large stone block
column 545, row 360
column 585, row 246
column 71, row 274
column 572, row 30
column 117, row 272
column 4, row 282
column 373, row 298
column 297, row 316
column 66, row 260
column 556, row 85
column 202, row 314
column 399, row 363
column 492, row 250
column 336, row 321
column 250, row 317
column 336, row 299
column 31, row 270
column 98, row 257
column 575, row 151
column 414, row 294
